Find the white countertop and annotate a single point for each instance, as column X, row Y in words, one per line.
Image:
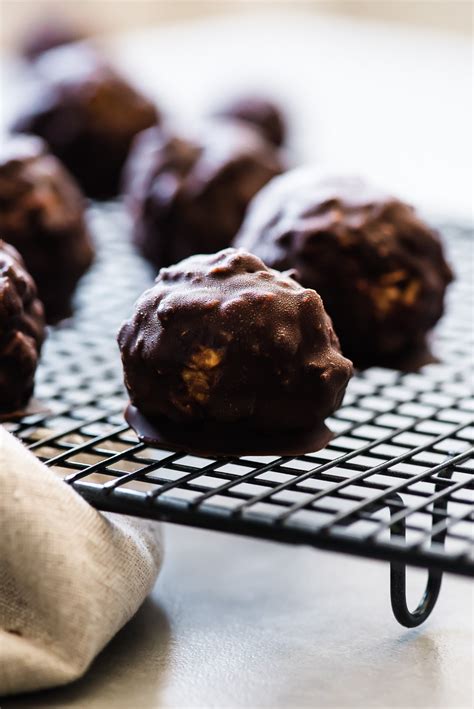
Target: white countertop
column 386, row 101
column 235, row 622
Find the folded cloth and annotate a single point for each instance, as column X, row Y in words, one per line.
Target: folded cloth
column 70, row 577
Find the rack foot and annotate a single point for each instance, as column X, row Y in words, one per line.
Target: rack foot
column 398, row 597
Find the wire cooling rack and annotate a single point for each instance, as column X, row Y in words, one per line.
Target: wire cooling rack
column 396, row 483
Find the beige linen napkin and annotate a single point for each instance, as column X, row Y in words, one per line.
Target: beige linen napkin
column 70, row 577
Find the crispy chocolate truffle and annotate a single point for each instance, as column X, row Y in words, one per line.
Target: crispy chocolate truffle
column 21, row 331
column 88, row 114
column 265, row 115
column 188, row 195
column 48, row 35
column 378, row 267
column 42, row 215
column 223, row 341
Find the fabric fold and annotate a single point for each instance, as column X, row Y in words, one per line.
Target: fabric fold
column 70, row 576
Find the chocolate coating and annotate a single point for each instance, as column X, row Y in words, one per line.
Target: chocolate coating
column 48, row 35
column 88, row 114
column 265, row 115
column 223, row 339
column 42, row 215
column 378, row 267
column 21, row 331
column 188, row 195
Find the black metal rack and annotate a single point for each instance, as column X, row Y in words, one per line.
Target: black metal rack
column 396, row 483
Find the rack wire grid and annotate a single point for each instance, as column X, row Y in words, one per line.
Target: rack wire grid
column 396, row 482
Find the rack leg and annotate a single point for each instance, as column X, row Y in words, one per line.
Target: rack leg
column 398, row 593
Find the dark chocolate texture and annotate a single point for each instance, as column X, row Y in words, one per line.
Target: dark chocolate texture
column 223, row 340
column 87, row 113
column 265, row 115
column 21, row 331
column 42, row 215
column 188, row 194
column 378, row 267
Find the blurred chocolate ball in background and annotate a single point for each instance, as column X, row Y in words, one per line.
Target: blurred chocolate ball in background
column 42, row 215
column 42, row 36
column 188, row 193
column 87, row 113
column 378, row 267
column 262, row 113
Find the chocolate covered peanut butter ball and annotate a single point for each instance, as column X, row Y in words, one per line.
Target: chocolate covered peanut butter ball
column 265, row 115
column 188, row 194
column 225, row 355
column 377, row 265
column 87, row 113
column 21, row 331
column 42, row 216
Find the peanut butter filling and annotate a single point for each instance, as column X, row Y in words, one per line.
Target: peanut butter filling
column 391, row 289
column 200, row 374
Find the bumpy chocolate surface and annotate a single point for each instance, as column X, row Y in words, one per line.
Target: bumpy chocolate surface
column 48, row 35
column 87, row 113
column 21, row 331
column 223, row 339
column 42, row 215
column 188, row 195
column 378, row 267
column 263, row 114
